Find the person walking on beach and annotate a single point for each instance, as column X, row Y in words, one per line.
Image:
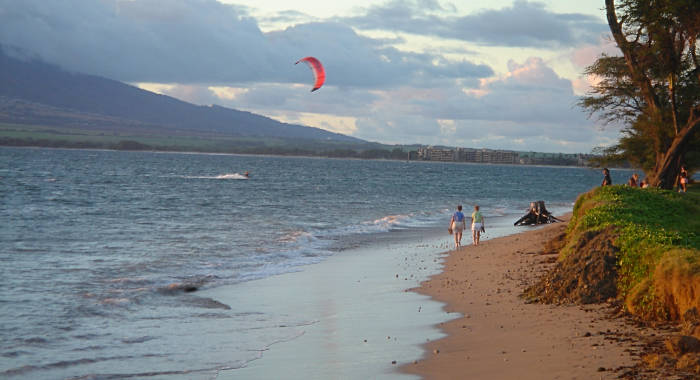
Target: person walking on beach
column 607, row 181
column 457, row 225
column 477, row 225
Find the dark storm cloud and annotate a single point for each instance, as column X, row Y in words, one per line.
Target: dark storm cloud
column 354, row 60
column 204, row 41
column 148, row 40
column 525, row 24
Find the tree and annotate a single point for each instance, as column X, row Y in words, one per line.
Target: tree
column 653, row 89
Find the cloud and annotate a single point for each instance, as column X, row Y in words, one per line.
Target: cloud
column 529, row 106
column 207, row 52
column 204, row 41
column 148, row 40
column 354, row 60
column 524, row 24
column 529, row 92
column 585, row 56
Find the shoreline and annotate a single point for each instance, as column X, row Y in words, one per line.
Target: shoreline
column 297, row 155
column 351, row 316
column 501, row 336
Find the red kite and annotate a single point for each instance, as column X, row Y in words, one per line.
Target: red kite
column 317, row 69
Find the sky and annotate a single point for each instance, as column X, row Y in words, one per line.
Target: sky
column 498, row 74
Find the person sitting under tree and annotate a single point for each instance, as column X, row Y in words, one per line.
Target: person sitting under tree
column 607, row 181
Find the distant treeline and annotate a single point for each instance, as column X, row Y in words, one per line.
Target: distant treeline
column 299, row 148
column 132, row 145
column 74, row 144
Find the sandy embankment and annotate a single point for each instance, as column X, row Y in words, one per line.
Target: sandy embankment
column 500, row 336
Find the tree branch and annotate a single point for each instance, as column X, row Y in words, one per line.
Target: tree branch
column 694, row 54
column 674, row 107
column 631, row 59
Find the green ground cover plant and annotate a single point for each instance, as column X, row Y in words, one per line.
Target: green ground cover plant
column 659, row 245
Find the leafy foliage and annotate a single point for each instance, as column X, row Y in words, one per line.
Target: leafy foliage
column 652, row 90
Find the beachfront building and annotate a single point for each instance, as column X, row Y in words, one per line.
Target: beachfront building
column 489, row 156
column 486, row 156
column 436, row 154
column 467, row 155
column 498, row 156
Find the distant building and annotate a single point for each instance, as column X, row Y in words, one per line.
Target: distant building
column 490, row 156
column 498, row 157
column 442, row 155
column 435, row 154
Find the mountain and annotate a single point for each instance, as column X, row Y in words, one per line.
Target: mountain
column 32, row 91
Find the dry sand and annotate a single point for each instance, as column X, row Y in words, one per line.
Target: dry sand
column 500, row 336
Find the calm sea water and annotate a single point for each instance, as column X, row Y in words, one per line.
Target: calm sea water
column 98, row 248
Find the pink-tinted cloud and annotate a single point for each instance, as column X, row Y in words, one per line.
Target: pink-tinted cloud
column 585, row 55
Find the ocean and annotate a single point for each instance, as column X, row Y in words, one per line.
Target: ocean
column 106, row 255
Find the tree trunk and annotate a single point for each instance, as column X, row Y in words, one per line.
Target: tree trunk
column 668, row 167
column 668, row 163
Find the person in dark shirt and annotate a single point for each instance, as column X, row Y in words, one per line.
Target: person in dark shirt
column 606, row 179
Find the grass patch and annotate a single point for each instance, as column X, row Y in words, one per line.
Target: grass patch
column 657, row 234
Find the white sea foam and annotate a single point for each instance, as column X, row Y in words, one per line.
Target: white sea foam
column 296, row 236
column 127, row 280
column 231, row 176
column 403, row 221
column 115, row 301
column 499, row 211
column 234, row 176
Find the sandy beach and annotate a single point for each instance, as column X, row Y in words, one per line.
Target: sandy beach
column 501, row 336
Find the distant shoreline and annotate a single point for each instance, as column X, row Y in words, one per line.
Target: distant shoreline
column 307, row 154
column 47, row 134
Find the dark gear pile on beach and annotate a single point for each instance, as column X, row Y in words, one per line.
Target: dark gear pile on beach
column 537, row 214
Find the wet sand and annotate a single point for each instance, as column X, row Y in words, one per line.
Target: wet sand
column 500, row 336
column 349, row 317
